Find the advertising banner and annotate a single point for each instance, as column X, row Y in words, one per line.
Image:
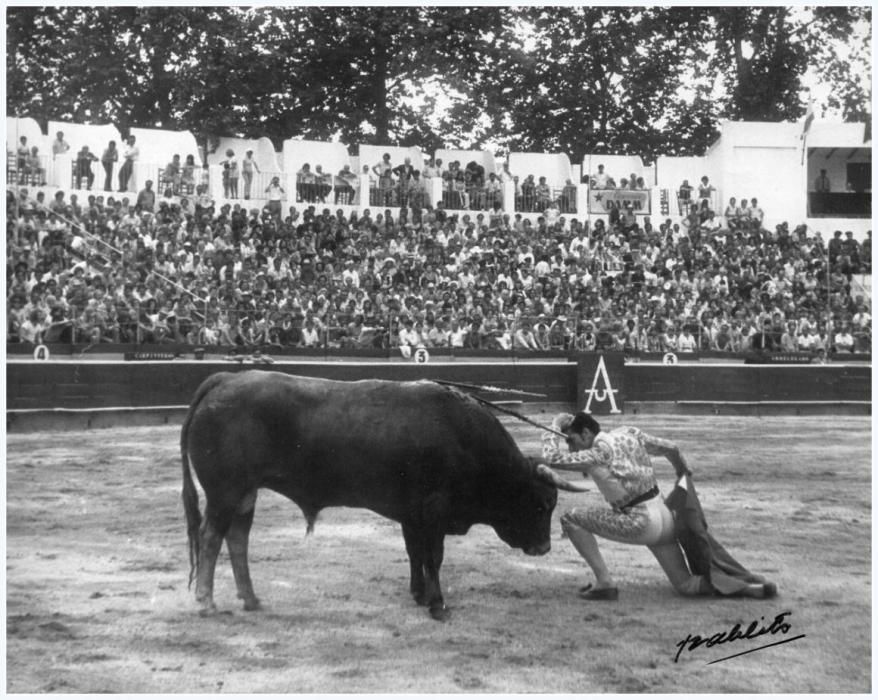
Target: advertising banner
column 600, row 202
column 600, row 383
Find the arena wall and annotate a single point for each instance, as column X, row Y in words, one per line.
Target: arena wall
column 63, row 388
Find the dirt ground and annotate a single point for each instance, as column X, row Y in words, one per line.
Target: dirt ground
column 97, row 571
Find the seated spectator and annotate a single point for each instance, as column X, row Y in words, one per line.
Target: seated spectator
column 764, row 340
column 306, row 186
column 346, row 185
column 33, row 168
column 524, row 339
column 684, row 197
column 686, row 342
column 173, row 175
column 82, row 168
column 789, row 341
column 844, row 339
column 732, row 214
column 322, row 183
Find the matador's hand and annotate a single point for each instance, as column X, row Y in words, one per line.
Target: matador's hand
column 562, row 421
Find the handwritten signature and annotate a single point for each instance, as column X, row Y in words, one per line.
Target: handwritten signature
column 757, row 628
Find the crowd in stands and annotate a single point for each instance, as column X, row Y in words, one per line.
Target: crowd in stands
column 180, row 268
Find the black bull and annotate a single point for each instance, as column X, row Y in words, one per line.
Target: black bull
column 424, row 455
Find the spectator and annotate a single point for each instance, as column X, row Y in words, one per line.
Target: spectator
column 59, row 145
column 34, row 169
column 732, row 214
column 130, row 154
column 248, row 166
column 82, row 167
column 821, row 183
column 384, row 173
column 146, row 199
column 844, row 340
column 109, row 157
column 275, row 194
column 684, row 197
column 705, row 192
column 173, row 174
column 231, row 175
column 601, row 180
column 524, row 339
column 187, row 175
column 346, row 185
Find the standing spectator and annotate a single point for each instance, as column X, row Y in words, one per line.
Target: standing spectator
column 108, row 158
column 822, row 184
column 84, row 159
column 230, row 175
column 187, row 175
column 384, row 172
column 21, row 158
column 59, row 145
column 248, row 165
column 146, row 199
column 275, row 194
column 129, row 155
column 601, row 180
column 568, row 198
column 322, row 183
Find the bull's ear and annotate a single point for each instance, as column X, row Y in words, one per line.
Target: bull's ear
column 551, row 477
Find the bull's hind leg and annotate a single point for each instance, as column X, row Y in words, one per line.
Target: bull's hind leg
column 236, row 540
column 213, row 529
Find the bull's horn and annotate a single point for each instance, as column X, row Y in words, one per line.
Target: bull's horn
column 547, row 474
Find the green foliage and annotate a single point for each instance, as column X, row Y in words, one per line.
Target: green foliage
column 578, row 80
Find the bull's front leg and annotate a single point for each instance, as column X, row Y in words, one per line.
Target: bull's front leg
column 432, row 589
column 415, row 547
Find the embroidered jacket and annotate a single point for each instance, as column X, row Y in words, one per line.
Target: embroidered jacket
column 618, row 461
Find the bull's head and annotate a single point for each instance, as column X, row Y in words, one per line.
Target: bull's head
column 526, row 521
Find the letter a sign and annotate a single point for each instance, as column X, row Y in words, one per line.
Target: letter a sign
column 600, row 383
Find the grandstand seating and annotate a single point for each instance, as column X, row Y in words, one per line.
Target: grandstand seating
column 426, row 278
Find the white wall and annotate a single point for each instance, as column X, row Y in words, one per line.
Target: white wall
column 25, row 126
column 263, row 152
column 330, row 156
column 158, row 146
column 618, row 167
column 95, row 136
column 555, row 167
column 483, row 158
column 372, row 155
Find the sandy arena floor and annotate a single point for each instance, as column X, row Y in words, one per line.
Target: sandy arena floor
column 97, row 571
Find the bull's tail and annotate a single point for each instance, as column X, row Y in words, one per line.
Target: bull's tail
column 190, row 494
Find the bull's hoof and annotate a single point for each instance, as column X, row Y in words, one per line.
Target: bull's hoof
column 420, row 598
column 251, row 604
column 208, row 609
column 440, row 613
